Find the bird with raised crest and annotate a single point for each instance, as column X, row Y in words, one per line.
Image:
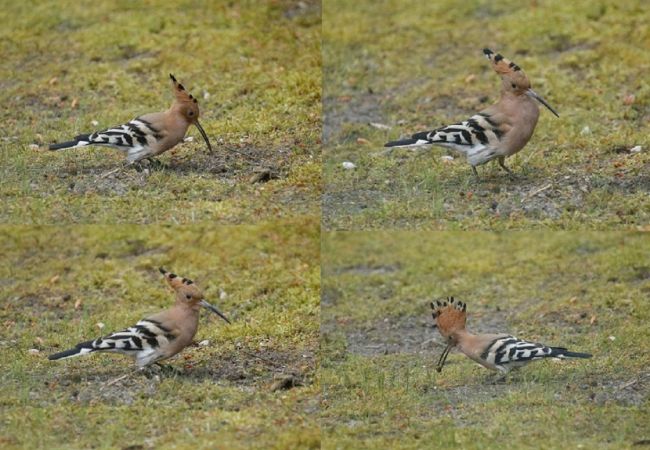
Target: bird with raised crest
column 501, row 352
column 497, row 132
column 148, row 135
column 156, row 337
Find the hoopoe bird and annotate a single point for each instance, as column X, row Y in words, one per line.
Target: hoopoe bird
column 501, row 352
column 500, row 130
column 148, row 135
column 157, row 337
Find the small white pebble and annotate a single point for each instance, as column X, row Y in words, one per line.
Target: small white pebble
column 223, row 295
column 33, row 351
column 379, row 126
column 585, row 130
column 636, row 149
column 348, row 165
column 94, row 123
column 100, row 325
column 204, row 343
column 612, row 338
column 189, row 139
column 33, row 146
column 447, row 158
column 206, row 95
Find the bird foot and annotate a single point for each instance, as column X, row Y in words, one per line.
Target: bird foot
column 148, row 164
column 160, row 369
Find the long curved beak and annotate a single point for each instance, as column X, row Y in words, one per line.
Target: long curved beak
column 534, row 95
column 213, row 309
column 443, row 358
column 205, row 136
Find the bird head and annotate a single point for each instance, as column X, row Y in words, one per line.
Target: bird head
column 188, row 107
column 514, row 79
column 188, row 293
column 450, row 316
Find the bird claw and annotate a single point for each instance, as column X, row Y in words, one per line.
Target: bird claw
column 148, row 164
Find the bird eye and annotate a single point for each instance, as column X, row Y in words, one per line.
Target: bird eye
column 514, row 85
column 188, row 296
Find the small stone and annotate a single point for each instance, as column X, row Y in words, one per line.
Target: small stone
column 379, row 126
column 189, row 139
column 585, row 130
column 348, row 165
column 204, row 343
column 33, row 351
column 636, row 149
column 612, row 338
column 94, row 123
column 363, row 141
column 100, row 325
column 286, row 382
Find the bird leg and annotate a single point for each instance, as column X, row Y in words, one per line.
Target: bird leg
column 167, row 369
column 500, row 378
column 476, row 173
column 502, row 163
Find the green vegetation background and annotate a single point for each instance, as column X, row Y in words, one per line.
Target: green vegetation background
column 415, row 65
column 586, row 291
column 253, row 65
column 58, row 283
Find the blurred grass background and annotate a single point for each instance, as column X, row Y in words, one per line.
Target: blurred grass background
column 72, row 67
column 412, row 65
column 58, row 283
column 587, row 291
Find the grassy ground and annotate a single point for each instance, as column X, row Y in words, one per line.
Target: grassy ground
column 586, row 290
column 254, row 66
column 414, row 65
column 237, row 392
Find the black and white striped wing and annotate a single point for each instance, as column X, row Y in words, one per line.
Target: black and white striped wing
column 477, row 131
column 132, row 136
column 510, row 351
column 141, row 341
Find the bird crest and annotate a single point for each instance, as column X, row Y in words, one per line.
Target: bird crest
column 450, row 315
column 181, row 94
column 509, row 72
column 182, row 286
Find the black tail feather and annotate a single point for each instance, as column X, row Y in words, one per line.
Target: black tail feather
column 71, row 352
column 401, row 143
column 68, row 144
column 560, row 352
column 422, row 136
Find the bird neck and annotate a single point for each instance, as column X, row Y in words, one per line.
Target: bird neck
column 461, row 335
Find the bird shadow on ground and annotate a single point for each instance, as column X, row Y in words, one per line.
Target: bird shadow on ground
column 251, row 372
column 249, row 165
